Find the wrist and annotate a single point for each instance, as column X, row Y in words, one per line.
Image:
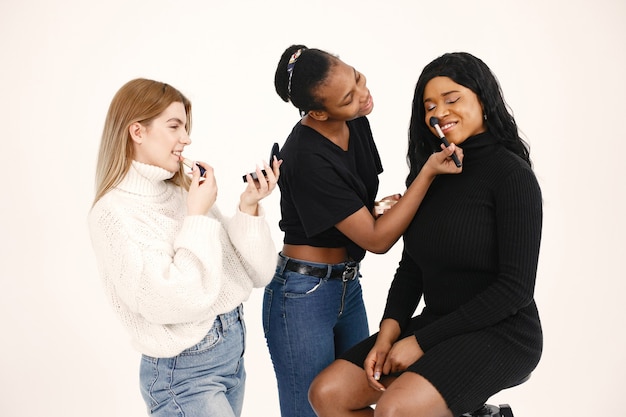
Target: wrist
column 427, row 173
column 251, row 209
column 389, row 330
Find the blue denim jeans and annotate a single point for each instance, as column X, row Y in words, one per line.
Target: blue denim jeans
column 206, row 380
column 308, row 322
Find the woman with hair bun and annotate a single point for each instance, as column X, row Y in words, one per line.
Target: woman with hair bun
column 313, row 309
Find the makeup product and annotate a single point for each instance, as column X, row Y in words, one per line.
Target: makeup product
column 382, row 206
column 274, row 153
column 434, row 122
column 189, row 163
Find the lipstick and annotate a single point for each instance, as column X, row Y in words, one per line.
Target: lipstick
column 189, row 163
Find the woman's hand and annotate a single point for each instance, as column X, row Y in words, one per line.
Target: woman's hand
column 383, row 205
column 260, row 188
column 202, row 190
column 402, row 354
column 374, row 362
column 442, row 163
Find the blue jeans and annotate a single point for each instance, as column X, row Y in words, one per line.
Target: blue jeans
column 206, row 380
column 308, row 322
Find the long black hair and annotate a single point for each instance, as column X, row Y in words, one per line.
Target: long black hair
column 297, row 82
column 470, row 72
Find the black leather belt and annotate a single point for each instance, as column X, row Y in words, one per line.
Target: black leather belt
column 347, row 273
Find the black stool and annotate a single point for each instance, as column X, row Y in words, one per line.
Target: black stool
column 488, row 410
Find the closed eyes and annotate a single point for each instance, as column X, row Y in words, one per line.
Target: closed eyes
column 431, row 106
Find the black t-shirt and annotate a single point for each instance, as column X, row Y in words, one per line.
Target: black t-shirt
column 321, row 184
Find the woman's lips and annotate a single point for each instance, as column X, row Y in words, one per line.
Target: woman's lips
column 447, row 126
column 369, row 104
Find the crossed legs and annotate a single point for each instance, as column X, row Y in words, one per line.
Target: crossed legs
column 342, row 390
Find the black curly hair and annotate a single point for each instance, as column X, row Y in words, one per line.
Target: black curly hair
column 470, row 72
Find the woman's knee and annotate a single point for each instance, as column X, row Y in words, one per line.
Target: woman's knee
column 322, row 388
column 388, row 406
column 336, row 386
column 411, row 395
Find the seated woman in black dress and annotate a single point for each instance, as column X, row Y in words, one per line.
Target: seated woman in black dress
column 471, row 252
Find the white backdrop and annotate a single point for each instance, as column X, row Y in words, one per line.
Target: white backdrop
column 561, row 66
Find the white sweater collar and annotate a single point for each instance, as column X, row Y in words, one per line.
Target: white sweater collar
column 144, row 179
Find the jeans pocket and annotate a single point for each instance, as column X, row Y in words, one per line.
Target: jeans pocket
column 211, row 339
column 298, row 285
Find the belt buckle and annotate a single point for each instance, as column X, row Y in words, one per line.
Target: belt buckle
column 349, row 273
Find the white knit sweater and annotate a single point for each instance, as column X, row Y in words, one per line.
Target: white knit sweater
column 167, row 274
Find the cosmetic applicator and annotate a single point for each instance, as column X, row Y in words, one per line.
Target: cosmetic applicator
column 189, row 164
column 434, row 122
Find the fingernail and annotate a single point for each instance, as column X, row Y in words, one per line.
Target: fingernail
column 376, row 376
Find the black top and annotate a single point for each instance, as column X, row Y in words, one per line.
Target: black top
column 473, row 247
column 321, row 184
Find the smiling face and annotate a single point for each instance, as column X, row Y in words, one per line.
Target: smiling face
column 161, row 142
column 458, row 109
column 345, row 94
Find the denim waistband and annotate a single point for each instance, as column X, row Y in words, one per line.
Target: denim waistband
column 233, row 316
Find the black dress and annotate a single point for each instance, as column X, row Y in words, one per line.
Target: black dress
column 471, row 252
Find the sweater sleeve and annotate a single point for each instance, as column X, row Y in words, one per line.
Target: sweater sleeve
column 251, row 237
column 405, row 291
column 166, row 283
column 519, row 221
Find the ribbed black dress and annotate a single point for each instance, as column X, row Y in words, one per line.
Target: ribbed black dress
column 471, row 252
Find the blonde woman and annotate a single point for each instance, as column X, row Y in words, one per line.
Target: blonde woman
column 175, row 270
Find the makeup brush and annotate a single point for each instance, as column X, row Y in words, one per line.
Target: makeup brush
column 434, row 122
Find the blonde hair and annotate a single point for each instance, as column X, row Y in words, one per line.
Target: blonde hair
column 142, row 101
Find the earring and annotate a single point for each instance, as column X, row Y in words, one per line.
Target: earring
column 485, row 116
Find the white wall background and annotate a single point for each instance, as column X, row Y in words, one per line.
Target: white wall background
column 561, row 66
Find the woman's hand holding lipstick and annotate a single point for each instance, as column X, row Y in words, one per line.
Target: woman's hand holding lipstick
column 190, row 164
column 202, row 190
